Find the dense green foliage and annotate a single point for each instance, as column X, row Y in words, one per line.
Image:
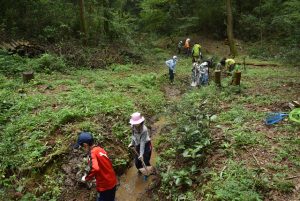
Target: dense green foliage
column 39, row 119
column 272, row 24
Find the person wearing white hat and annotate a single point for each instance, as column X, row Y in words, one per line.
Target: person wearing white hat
column 171, row 63
column 140, row 140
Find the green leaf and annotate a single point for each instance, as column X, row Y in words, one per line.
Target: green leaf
column 178, row 181
column 189, row 182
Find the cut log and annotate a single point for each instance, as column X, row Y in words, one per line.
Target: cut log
column 22, row 48
column 218, row 77
column 27, row 76
column 236, row 80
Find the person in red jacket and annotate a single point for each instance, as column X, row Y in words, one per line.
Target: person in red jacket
column 100, row 167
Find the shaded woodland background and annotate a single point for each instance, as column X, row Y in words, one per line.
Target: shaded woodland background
column 212, row 143
column 270, row 27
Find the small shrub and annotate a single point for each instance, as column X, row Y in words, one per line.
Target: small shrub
column 121, row 68
column 48, row 63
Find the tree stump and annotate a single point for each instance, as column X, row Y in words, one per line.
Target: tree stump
column 236, row 80
column 218, row 77
column 27, row 76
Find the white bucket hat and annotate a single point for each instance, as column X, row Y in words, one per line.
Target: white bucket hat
column 136, row 118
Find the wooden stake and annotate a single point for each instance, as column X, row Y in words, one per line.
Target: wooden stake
column 27, row 76
column 218, row 77
column 236, row 80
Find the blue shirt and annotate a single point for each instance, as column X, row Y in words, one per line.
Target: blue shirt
column 171, row 64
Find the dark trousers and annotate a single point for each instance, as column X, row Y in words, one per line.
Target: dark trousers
column 146, row 156
column 171, row 74
column 188, row 51
column 108, row 195
column 178, row 50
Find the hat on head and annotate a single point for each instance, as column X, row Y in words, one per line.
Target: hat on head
column 175, row 57
column 136, row 118
column 84, row 137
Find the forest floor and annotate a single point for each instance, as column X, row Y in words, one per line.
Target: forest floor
column 246, row 155
column 246, row 144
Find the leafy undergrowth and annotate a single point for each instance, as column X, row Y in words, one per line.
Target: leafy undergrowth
column 40, row 121
column 253, row 161
column 217, row 146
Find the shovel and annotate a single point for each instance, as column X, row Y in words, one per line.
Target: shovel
column 146, row 170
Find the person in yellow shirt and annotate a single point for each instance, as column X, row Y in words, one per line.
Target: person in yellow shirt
column 229, row 64
column 196, row 52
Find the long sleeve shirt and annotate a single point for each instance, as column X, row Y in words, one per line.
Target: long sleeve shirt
column 171, row 64
column 140, row 138
column 196, row 50
column 229, row 62
column 101, row 169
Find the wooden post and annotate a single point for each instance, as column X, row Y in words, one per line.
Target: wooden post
column 27, row 76
column 218, row 77
column 237, row 78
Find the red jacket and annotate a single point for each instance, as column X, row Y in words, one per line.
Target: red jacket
column 101, row 169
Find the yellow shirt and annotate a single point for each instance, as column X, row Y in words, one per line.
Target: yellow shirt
column 229, row 62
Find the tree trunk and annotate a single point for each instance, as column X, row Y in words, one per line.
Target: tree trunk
column 82, row 19
column 260, row 25
column 106, row 17
column 233, row 50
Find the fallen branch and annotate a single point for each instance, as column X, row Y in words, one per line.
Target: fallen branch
column 253, row 64
column 221, row 173
column 293, row 177
column 257, row 162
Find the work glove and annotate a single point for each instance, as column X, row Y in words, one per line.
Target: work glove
column 83, row 178
column 140, row 158
column 130, row 145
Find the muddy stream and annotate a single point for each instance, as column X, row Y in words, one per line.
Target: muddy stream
column 133, row 187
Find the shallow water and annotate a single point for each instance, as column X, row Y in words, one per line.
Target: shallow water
column 132, row 185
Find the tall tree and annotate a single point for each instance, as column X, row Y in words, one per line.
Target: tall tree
column 233, row 50
column 82, row 18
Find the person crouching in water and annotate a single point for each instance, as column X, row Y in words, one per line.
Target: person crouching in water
column 140, row 140
column 171, row 63
column 100, row 167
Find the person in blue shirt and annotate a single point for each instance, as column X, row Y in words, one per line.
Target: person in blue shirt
column 171, row 63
